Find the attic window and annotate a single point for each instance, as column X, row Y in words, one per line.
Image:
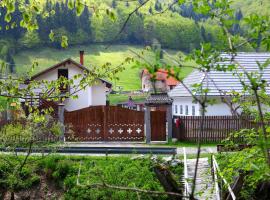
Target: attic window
column 63, row 73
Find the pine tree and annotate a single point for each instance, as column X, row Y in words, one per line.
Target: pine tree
column 10, row 61
column 84, row 21
column 114, row 4
column 158, row 6
column 141, row 1
column 150, row 10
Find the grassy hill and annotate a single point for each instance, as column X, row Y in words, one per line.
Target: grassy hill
column 261, row 7
column 94, row 55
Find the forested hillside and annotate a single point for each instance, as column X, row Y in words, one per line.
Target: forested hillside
column 178, row 28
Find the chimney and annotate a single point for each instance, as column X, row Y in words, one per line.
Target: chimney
column 82, row 57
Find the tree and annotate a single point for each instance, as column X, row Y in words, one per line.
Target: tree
column 150, row 10
column 10, row 62
column 114, row 4
column 158, row 6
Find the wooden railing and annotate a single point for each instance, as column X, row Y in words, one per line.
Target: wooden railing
column 187, row 192
column 218, row 178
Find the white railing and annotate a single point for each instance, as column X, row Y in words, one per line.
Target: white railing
column 187, row 192
column 217, row 173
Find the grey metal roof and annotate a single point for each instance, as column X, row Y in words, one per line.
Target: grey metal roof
column 158, row 99
column 219, row 82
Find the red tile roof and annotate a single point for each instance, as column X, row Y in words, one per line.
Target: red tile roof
column 162, row 74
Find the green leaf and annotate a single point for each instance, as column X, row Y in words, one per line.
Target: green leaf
column 64, row 41
column 8, row 17
column 51, row 36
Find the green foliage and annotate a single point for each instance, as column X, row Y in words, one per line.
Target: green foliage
column 251, row 159
column 172, row 31
column 11, row 133
column 13, row 180
column 117, row 171
column 30, row 40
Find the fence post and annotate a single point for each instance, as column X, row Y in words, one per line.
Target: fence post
column 61, row 120
column 147, row 119
column 169, row 121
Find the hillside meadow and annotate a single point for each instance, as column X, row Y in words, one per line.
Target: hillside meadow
column 96, row 55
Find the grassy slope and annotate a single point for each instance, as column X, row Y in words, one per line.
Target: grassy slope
column 261, row 7
column 95, row 55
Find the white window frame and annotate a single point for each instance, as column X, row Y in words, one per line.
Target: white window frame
column 175, row 109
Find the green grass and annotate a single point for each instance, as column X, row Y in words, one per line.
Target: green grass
column 252, row 6
column 119, row 98
column 95, row 55
column 188, row 144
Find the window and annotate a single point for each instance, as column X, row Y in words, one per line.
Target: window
column 193, row 110
column 181, row 109
column 175, row 109
column 63, row 73
column 186, row 109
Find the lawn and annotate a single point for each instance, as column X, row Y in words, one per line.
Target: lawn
column 120, row 98
column 95, row 55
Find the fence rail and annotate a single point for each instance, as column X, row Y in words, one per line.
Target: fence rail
column 187, row 192
column 215, row 128
column 218, row 176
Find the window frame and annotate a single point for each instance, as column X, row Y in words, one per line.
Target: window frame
column 186, row 110
column 175, row 109
column 181, row 109
column 193, row 110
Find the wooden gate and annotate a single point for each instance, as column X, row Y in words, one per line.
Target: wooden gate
column 158, row 125
column 104, row 123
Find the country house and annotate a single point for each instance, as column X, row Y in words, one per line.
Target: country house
column 92, row 95
column 163, row 82
column 220, row 85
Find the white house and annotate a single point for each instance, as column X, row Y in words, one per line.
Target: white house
column 220, row 86
column 92, row 95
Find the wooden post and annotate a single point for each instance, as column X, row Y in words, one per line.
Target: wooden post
column 105, row 123
column 61, row 119
column 169, row 121
column 147, row 119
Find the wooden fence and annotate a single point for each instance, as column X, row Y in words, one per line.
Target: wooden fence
column 104, row 123
column 216, row 128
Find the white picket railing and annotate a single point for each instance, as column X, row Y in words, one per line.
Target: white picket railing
column 217, row 173
column 187, row 192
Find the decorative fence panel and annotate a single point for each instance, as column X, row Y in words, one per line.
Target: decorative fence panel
column 216, row 128
column 104, row 123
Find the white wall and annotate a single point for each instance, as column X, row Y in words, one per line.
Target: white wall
column 94, row 95
column 185, row 101
column 98, row 94
column 217, row 109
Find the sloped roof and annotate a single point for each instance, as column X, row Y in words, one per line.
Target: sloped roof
column 158, row 99
column 220, row 83
column 68, row 61
column 162, row 75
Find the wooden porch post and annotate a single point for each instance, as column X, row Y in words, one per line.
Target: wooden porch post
column 147, row 119
column 169, row 121
column 61, row 120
